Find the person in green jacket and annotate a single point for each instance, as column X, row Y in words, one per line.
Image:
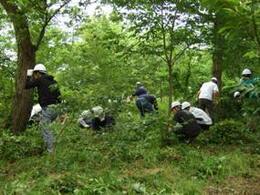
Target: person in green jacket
column 248, row 83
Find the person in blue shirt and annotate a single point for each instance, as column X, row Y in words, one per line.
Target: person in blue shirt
column 140, row 90
column 144, row 102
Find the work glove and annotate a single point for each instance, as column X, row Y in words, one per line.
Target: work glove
column 29, row 72
column 177, row 127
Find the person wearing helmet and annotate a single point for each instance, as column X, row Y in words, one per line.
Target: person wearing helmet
column 48, row 97
column 186, row 128
column 247, row 85
column 248, row 79
column 146, row 104
column 237, row 94
column 246, row 76
column 101, row 119
column 202, row 117
column 207, row 95
column 140, row 90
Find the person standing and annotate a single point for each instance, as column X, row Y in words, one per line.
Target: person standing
column 247, row 78
column 248, row 84
column 48, row 97
column 207, row 95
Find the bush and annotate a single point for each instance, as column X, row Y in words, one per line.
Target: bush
column 229, row 132
column 14, row 147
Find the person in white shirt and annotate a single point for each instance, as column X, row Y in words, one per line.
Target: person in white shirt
column 207, row 94
column 202, row 117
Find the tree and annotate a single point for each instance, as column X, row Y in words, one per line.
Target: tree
column 165, row 28
column 234, row 34
column 29, row 35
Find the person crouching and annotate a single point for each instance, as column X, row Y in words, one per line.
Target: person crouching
column 201, row 116
column 186, row 128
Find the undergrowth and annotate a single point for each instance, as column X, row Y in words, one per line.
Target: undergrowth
column 127, row 159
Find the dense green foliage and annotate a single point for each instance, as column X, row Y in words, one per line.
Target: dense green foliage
column 97, row 61
column 130, row 159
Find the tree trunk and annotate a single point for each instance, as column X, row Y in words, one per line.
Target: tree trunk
column 170, row 77
column 187, row 78
column 22, row 101
column 217, row 58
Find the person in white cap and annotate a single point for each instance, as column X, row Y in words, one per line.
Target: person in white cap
column 48, row 97
column 247, row 85
column 186, row 128
column 248, row 79
column 207, row 95
column 202, row 117
column 237, row 94
column 246, row 76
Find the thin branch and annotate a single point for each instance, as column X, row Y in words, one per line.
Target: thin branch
column 46, row 23
column 5, row 68
column 163, row 33
column 8, row 71
column 164, row 59
column 181, row 53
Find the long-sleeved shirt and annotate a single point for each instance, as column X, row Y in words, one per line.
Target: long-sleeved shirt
column 190, row 127
column 201, row 116
column 140, row 91
column 47, row 88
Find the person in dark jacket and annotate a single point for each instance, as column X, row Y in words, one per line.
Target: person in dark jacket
column 140, row 90
column 146, row 104
column 48, row 97
column 186, row 128
column 101, row 119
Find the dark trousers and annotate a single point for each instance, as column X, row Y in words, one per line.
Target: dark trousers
column 207, row 106
column 204, row 127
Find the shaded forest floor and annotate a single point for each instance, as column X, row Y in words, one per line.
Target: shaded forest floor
column 129, row 159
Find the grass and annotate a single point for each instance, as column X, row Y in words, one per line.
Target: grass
column 126, row 160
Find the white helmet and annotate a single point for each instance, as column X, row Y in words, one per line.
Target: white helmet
column 40, row 68
column 174, row 104
column 138, row 83
column 185, row 105
column 236, row 94
column 246, row 72
column 214, row 79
